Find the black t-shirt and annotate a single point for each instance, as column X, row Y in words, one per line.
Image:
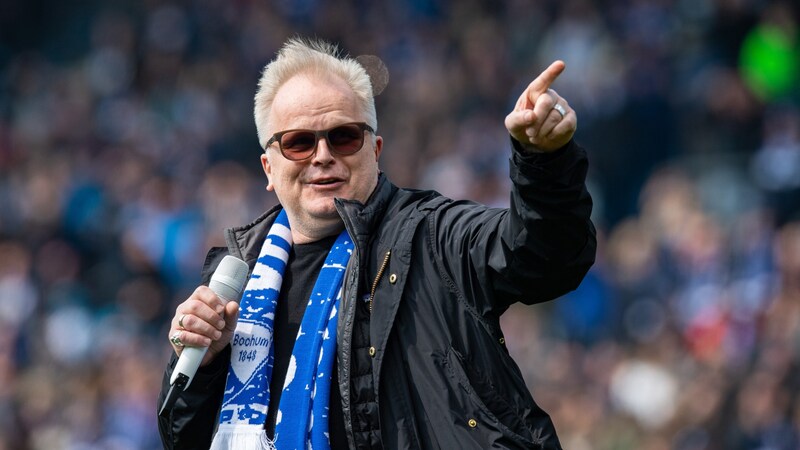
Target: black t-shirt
column 305, row 262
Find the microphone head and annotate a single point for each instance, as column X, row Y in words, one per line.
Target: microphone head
column 229, row 279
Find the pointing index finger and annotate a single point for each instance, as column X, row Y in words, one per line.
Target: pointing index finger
column 542, row 83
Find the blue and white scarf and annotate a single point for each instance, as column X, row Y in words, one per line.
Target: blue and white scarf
column 302, row 419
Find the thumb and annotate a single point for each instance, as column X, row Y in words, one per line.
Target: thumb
column 517, row 121
column 231, row 316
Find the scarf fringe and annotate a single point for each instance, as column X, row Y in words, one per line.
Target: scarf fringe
column 241, row 437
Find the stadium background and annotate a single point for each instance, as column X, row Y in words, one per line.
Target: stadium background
column 127, row 144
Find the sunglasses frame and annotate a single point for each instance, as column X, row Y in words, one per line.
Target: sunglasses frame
column 318, row 134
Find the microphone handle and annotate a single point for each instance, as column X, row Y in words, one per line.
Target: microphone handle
column 188, row 363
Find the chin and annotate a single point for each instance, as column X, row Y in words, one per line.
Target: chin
column 323, row 209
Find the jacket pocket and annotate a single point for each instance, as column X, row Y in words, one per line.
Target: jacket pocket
column 484, row 415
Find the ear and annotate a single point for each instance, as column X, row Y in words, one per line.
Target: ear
column 267, row 170
column 378, row 147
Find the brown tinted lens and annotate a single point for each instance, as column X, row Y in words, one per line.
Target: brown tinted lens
column 298, row 144
column 346, row 139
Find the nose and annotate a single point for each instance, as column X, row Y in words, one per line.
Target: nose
column 323, row 155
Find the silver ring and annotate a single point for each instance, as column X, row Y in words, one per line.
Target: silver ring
column 176, row 339
column 180, row 321
column 560, row 110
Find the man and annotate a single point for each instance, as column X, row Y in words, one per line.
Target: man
column 420, row 360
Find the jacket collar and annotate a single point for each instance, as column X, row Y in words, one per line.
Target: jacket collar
column 360, row 219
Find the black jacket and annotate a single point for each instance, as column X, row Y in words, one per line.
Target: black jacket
column 441, row 373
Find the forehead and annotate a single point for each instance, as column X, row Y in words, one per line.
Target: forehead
column 309, row 101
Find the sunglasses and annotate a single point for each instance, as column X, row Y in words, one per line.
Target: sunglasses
column 297, row 145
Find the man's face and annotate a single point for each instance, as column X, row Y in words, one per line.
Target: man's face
column 306, row 189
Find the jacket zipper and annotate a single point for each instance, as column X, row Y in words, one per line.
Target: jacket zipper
column 378, row 278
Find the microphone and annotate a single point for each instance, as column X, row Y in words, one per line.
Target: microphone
column 228, row 283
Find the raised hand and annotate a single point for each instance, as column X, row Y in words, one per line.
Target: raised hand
column 542, row 120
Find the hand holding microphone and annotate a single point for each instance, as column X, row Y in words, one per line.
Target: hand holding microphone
column 204, row 324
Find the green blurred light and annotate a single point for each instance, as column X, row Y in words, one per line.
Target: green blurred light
column 770, row 62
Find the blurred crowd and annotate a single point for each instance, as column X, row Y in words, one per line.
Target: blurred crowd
column 127, row 144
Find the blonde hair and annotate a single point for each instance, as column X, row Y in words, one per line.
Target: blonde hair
column 314, row 57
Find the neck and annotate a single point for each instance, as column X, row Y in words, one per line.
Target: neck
column 304, row 235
